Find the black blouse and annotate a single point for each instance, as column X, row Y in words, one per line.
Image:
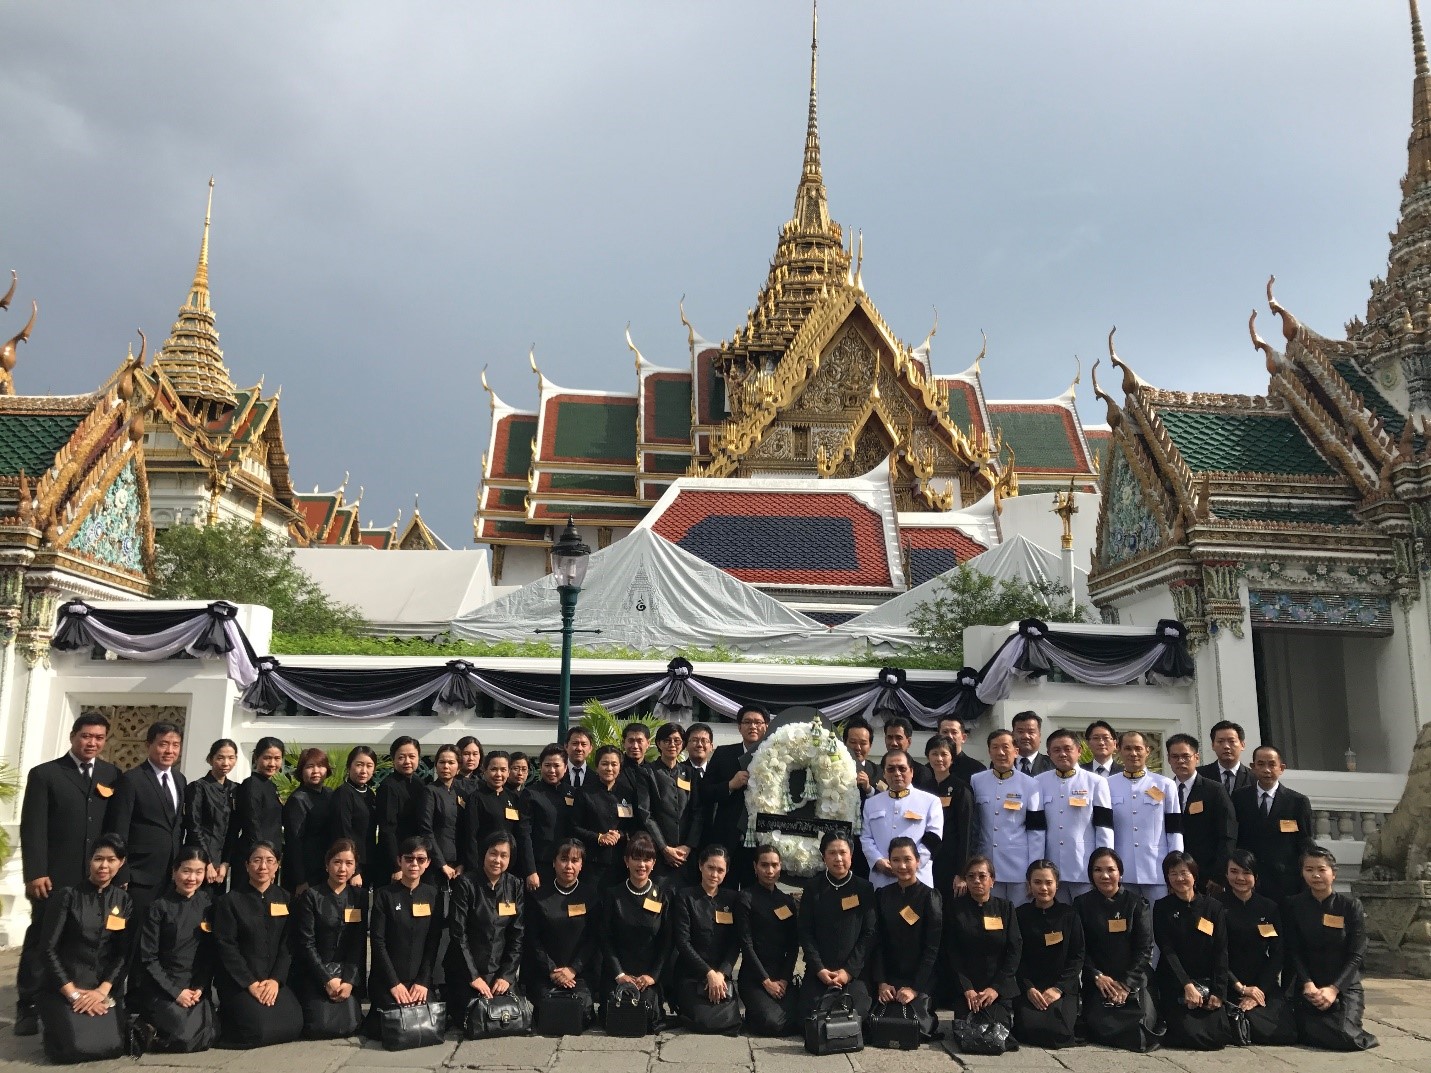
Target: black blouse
column 258, row 817
column 86, row 937
column 1052, row 948
column 397, row 816
column 438, row 810
column 769, row 933
column 911, row 925
column 304, row 828
column 177, row 951
column 984, row 945
column 561, row 929
column 208, row 810
column 636, row 938
column 599, row 810
column 404, row 943
column 487, row 926
column 957, row 800
column 1192, row 944
column 1117, row 936
column 549, row 811
column 252, row 927
column 486, row 812
column 837, row 924
column 1254, row 941
column 353, row 813
column 1326, row 940
column 706, row 937
column 330, row 936
column 673, row 817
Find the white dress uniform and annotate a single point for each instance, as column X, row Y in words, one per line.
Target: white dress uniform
column 911, row 813
column 1079, row 819
column 1008, row 828
column 1147, row 826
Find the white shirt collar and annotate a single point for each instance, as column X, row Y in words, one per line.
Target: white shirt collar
column 160, row 770
column 1270, row 793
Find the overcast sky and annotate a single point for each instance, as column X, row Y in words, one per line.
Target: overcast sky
column 408, row 192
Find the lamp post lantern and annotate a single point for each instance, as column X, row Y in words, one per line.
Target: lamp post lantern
column 569, row 560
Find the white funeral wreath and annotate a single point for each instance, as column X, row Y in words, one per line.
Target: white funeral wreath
column 830, row 782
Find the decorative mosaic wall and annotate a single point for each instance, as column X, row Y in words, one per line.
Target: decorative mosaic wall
column 128, row 723
column 1307, row 610
column 111, row 532
column 1132, row 530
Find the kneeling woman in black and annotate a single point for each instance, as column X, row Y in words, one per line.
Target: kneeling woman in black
column 1118, row 1007
column 837, row 929
column 485, row 947
column 1190, row 929
column 175, row 960
column 257, row 1007
column 330, row 946
column 85, row 947
column 562, row 919
column 707, row 945
column 405, row 928
column 1051, row 965
column 1326, row 944
column 984, row 947
column 636, row 941
column 911, row 927
column 769, row 944
column 1255, row 955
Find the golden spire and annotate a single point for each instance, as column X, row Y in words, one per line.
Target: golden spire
column 1419, row 146
column 810, row 197
column 200, row 291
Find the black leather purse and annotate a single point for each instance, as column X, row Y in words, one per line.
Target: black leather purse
column 893, row 1025
column 509, row 1014
column 565, row 1011
column 629, row 1012
column 833, row 1027
column 418, row 1025
column 980, row 1034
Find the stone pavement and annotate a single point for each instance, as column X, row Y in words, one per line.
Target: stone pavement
column 1400, row 1015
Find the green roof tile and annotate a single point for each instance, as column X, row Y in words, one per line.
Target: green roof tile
column 30, row 442
column 1271, row 512
column 1229, row 442
column 1040, row 439
column 960, row 415
column 672, row 400
column 521, row 429
column 666, row 463
column 1392, row 418
column 615, row 484
column 599, row 431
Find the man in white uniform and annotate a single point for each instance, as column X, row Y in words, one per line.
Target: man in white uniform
column 1077, row 814
column 1008, row 818
column 1147, row 825
column 901, row 810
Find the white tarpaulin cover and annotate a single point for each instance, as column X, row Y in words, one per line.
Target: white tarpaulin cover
column 402, row 593
column 645, row 592
column 887, row 626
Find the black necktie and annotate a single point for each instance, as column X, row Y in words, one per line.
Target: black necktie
column 168, row 794
column 1100, row 769
column 1266, row 803
column 1227, row 780
column 1024, row 764
column 576, row 776
column 87, row 770
column 1182, row 797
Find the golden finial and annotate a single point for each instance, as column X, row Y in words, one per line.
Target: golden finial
column 632, row 347
column 690, row 330
column 1115, row 415
column 200, row 295
column 934, row 328
column 1261, row 344
column 1065, row 507
column 416, row 497
column 143, row 346
column 1289, row 322
column 14, row 282
column 812, row 127
column 7, row 352
column 1130, row 378
column 1077, row 373
column 1418, row 42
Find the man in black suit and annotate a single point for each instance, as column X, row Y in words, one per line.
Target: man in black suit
column 1228, row 741
column 1275, row 824
column 1028, row 734
column 578, row 747
column 62, row 815
column 859, row 740
column 1209, row 824
column 1102, row 742
column 147, row 811
column 723, row 789
column 952, row 727
column 899, row 738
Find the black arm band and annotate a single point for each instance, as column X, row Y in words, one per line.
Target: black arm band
column 1037, row 821
column 932, row 841
column 1103, row 816
column 1173, row 823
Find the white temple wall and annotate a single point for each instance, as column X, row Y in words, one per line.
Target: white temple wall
column 1031, row 516
column 521, row 566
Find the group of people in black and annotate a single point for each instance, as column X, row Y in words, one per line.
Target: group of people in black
column 177, row 903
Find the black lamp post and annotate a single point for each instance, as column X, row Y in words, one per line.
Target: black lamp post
column 569, row 560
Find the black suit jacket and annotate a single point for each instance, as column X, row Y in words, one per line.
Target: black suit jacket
column 1278, row 851
column 152, row 827
column 1243, row 777
column 1114, row 766
column 1209, row 828
column 728, row 817
column 1038, row 764
column 60, row 818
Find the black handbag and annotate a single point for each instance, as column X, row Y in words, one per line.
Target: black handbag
column 418, row 1025
column 181, row 1031
column 892, row 1025
column 833, row 1027
column 501, row 1015
column 629, row 1012
column 714, row 1018
column 980, row 1034
column 565, row 1011
column 71, row 1037
column 326, row 1019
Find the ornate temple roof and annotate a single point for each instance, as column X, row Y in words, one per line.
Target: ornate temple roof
column 931, row 550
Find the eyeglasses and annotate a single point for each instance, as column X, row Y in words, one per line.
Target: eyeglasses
column 411, row 859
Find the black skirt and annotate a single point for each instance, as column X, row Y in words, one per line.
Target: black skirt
column 1129, row 1027
column 1197, row 1030
column 1051, row 1028
column 71, row 1037
column 765, row 1015
column 1271, row 1025
column 247, row 1023
column 1338, row 1028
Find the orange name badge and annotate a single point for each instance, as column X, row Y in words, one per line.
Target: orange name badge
column 512, row 814
column 1194, row 807
column 911, row 815
column 993, row 923
column 422, row 909
column 724, row 916
column 909, row 916
column 506, row 909
column 1013, row 806
column 103, row 791
column 850, row 901
column 782, row 912
column 1331, row 920
column 204, row 925
column 352, row 915
column 1204, row 925
column 1118, row 924
column 625, row 811
column 1078, row 802
column 570, row 800
column 277, row 909
column 1052, row 938
column 947, row 800
column 1266, row 930
column 1154, row 793
column 114, row 922
column 576, row 909
column 651, row 905
column 683, row 784
column 1288, row 827
column 460, row 802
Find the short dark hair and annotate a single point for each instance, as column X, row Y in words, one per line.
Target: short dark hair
column 1267, row 745
column 640, row 847
column 1100, row 723
column 1040, row 865
column 221, row 743
column 496, row 838
column 516, row 755
column 667, row 731
column 264, row 744
column 1226, row 724
column 1243, row 858
column 88, row 719
column 1319, row 853
column 568, row 846
column 998, row 732
column 831, row 837
column 1182, row 739
column 551, row 750
column 410, row 844
column 1061, row 732
column 1128, row 734
column 939, row 741
column 406, row 739
column 577, row 732
column 342, row 845
column 1024, row 717
column 746, row 709
column 952, row 719
column 312, row 755
column 1101, row 853
column 158, row 730
column 903, row 842
column 856, row 722
column 976, row 859
column 605, row 750
column 635, row 728
column 897, row 752
column 899, row 722
column 357, row 751
column 1177, row 858
column 496, row 754
column 700, row 728
column 111, row 841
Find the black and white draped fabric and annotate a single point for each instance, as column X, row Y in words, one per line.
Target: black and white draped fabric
column 206, row 633
column 1160, row 655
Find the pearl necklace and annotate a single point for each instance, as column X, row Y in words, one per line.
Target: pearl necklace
column 837, row 886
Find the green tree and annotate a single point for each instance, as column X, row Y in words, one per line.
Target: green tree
column 605, row 726
column 245, row 564
column 967, row 597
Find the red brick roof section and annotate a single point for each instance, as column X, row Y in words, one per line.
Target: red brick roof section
column 928, row 538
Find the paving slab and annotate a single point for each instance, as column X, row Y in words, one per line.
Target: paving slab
column 602, row 1062
column 513, row 1052
column 371, row 1055
column 733, row 1051
column 598, row 1041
